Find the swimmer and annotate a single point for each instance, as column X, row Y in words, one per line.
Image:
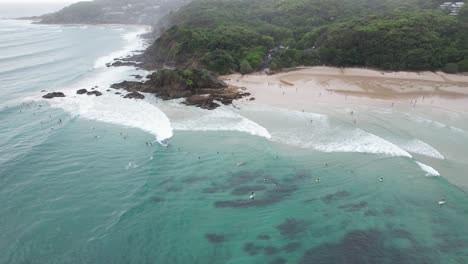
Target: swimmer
column 252, row 196
column 317, row 180
column 381, row 179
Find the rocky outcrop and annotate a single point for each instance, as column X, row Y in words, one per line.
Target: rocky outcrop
column 96, row 93
column 121, row 63
column 81, row 91
column 134, row 95
column 203, row 101
column 200, row 87
column 53, row 95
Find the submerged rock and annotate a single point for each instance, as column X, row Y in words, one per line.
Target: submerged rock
column 53, row 95
column 96, row 93
column 134, row 95
column 81, row 91
column 215, row 238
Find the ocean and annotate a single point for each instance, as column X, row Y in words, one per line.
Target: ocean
column 87, row 179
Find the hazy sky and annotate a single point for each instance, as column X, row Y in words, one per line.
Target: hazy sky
column 38, row 1
column 23, row 8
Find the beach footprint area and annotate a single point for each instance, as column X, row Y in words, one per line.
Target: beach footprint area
column 278, row 179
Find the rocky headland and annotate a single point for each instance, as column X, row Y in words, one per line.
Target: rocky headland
column 198, row 87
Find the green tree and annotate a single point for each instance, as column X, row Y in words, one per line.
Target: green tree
column 245, row 67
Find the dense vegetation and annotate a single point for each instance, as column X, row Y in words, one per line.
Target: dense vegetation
column 245, row 35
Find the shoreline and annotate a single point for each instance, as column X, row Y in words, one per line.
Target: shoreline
column 296, row 89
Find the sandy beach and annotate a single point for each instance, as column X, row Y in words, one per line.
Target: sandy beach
column 301, row 87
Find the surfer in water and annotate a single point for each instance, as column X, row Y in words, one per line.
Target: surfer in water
column 381, row 179
column 252, row 196
column 442, row 201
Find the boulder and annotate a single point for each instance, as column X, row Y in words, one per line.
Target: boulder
column 202, row 101
column 53, row 95
column 134, row 95
column 81, row 91
column 96, row 93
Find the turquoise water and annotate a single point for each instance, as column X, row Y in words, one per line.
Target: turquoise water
column 91, row 190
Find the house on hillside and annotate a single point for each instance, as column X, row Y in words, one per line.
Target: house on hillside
column 453, row 7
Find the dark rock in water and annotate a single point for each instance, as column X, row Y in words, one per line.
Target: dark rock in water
column 370, row 213
column 81, row 91
column 279, row 260
column 368, row 246
column 252, row 99
column 134, row 95
column 108, row 90
column 202, row 101
column 263, row 237
column 293, row 246
column 389, row 211
column 335, row 196
column 292, row 228
column 53, row 95
column 174, row 189
column 137, row 76
column 252, row 249
column 247, row 190
column 214, row 238
column 270, row 197
column 43, row 91
column 195, row 179
column 270, row 250
column 96, row 93
column 353, row 207
column 118, row 93
column 121, row 63
column 156, row 199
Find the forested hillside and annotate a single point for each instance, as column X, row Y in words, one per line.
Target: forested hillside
column 246, row 35
column 142, row 12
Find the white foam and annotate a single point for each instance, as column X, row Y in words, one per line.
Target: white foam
column 436, row 124
column 185, row 118
column 428, row 169
column 114, row 109
column 134, row 43
column 111, row 108
column 319, row 132
column 353, row 141
column 422, row 148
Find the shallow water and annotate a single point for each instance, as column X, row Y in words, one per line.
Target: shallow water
column 91, row 190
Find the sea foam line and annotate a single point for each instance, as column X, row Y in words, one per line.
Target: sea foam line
column 422, row 148
column 428, row 169
column 134, row 43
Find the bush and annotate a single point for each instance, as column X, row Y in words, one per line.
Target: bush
column 463, row 66
column 450, row 68
column 219, row 61
column 245, row 67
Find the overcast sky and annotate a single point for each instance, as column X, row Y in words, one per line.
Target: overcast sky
column 39, row 1
column 25, row 8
